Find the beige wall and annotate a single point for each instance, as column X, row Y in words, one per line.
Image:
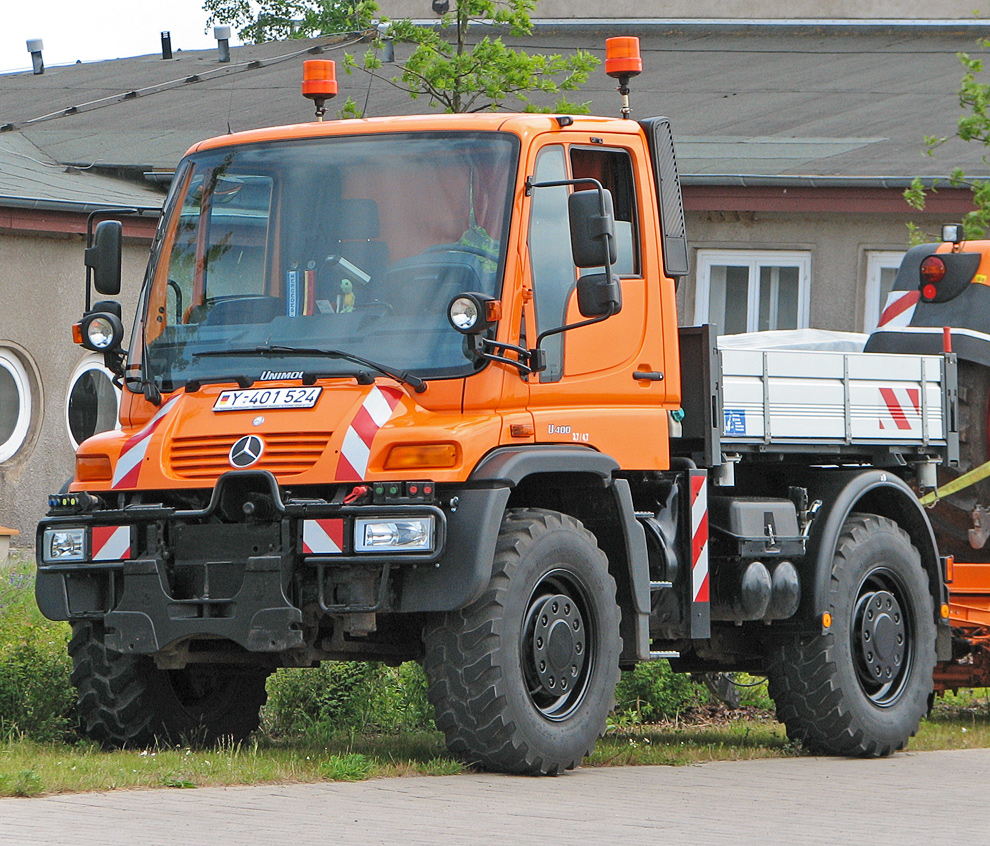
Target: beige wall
column 724, row 9
column 41, row 296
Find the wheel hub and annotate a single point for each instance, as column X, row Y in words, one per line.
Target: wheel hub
column 882, row 636
column 558, row 644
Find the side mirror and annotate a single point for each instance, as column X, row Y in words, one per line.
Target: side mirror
column 592, row 232
column 103, row 258
column 599, row 295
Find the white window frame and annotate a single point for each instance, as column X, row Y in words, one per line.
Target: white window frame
column 90, row 362
column 876, row 262
column 754, row 260
column 10, row 362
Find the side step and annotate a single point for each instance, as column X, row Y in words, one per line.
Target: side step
column 656, row 587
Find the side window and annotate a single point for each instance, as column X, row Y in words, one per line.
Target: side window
column 613, row 169
column 553, row 270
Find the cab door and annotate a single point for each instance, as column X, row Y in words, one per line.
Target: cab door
column 604, row 385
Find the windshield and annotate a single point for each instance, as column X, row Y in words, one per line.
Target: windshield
column 271, row 252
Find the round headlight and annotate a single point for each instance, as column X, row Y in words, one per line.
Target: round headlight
column 102, row 332
column 463, row 313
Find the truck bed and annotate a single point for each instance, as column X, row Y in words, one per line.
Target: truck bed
column 816, row 401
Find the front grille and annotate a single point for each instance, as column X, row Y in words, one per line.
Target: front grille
column 206, row 457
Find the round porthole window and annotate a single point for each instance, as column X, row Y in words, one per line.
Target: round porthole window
column 92, row 402
column 15, row 404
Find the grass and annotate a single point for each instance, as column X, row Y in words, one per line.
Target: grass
column 28, row 768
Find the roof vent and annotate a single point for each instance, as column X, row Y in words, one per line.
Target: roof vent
column 166, row 45
column 35, row 46
column 222, row 35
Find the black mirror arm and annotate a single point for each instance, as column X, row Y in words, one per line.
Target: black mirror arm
column 611, row 310
column 529, row 361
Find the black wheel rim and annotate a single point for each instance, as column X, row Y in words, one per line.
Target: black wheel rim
column 882, row 638
column 558, row 645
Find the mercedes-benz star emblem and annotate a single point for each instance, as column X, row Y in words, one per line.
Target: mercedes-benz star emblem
column 246, row 451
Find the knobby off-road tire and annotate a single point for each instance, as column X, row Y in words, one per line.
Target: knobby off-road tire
column 523, row 679
column 126, row 701
column 862, row 688
column 951, row 517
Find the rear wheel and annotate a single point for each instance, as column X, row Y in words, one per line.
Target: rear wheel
column 126, row 701
column 523, row 679
column 863, row 686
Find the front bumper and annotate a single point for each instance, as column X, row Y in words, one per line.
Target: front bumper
column 158, row 575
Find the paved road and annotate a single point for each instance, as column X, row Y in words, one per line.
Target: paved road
column 913, row 798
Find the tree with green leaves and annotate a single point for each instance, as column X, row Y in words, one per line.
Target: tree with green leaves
column 272, row 20
column 973, row 125
column 459, row 73
column 455, row 71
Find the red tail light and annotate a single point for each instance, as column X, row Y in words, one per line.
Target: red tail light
column 932, row 272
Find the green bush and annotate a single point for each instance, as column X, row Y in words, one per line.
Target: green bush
column 652, row 691
column 36, row 697
column 346, row 697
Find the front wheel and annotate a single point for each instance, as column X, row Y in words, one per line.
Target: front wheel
column 523, row 679
column 126, row 701
column 862, row 687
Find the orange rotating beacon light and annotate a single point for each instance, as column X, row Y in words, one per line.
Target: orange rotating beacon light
column 622, row 62
column 319, row 83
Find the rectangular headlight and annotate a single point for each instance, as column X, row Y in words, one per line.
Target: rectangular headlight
column 62, row 545
column 403, row 534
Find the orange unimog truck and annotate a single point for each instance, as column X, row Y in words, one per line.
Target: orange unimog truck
column 414, row 389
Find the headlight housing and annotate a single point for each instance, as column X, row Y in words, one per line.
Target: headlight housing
column 101, row 331
column 397, row 534
column 63, row 545
column 471, row 313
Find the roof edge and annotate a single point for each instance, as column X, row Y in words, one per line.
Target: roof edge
column 71, row 206
column 788, row 181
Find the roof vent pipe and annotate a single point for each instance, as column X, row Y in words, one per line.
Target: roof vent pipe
column 222, row 35
column 166, row 45
column 35, row 46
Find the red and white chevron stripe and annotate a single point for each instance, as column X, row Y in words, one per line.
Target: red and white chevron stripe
column 128, row 468
column 699, row 537
column 110, row 543
column 323, row 537
column 899, row 308
column 375, row 412
column 903, row 407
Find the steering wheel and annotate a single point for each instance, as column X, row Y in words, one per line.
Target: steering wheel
column 462, row 248
column 209, row 303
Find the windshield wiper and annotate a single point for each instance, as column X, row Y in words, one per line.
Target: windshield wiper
column 413, row 381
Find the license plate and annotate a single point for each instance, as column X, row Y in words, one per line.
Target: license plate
column 267, row 398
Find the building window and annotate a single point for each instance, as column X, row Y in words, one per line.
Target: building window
column 752, row 291
column 92, row 402
column 881, row 271
column 15, row 404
